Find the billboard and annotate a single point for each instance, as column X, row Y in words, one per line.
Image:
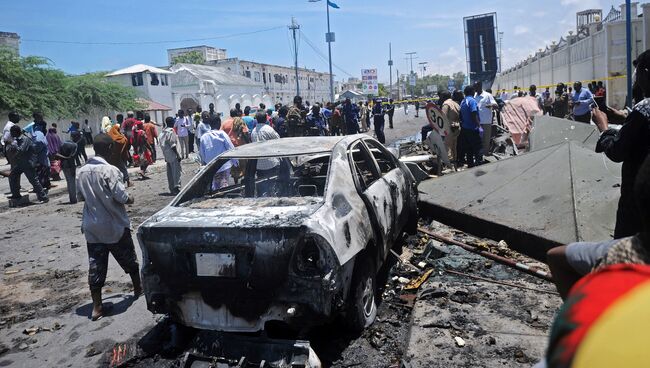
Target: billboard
column 369, row 84
column 481, row 37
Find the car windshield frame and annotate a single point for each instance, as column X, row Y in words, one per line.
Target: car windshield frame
column 291, row 164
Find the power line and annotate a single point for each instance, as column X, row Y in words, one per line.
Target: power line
column 322, row 54
column 154, row 42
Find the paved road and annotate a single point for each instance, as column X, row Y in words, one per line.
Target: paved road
column 44, row 246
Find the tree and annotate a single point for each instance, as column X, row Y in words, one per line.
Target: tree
column 459, row 79
column 29, row 84
column 192, row 57
column 92, row 90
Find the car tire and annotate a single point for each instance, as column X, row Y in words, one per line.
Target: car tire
column 362, row 302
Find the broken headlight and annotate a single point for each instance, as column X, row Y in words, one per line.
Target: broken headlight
column 311, row 257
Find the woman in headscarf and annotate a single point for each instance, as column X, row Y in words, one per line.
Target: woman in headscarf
column 141, row 148
column 120, row 151
column 106, row 124
column 53, row 145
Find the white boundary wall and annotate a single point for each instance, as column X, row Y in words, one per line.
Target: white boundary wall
column 598, row 57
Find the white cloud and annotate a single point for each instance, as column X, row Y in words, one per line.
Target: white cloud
column 519, row 30
column 451, row 52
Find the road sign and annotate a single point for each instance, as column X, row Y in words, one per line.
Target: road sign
column 451, row 85
column 432, row 88
column 369, row 83
column 412, row 79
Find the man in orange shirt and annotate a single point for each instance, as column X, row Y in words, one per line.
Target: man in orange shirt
column 152, row 135
column 236, row 129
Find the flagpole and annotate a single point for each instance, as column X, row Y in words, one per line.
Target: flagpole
column 329, row 49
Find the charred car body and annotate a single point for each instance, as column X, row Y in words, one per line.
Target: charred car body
column 299, row 247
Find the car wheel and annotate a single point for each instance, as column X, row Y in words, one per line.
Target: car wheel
column 362, row 304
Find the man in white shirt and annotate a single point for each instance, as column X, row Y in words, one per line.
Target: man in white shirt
column 266, row 168
column 105, row 222
column 486, row 103
column 168, row 142
column 182, row 125
column 14, row 118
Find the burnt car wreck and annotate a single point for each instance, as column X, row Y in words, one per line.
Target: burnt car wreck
column 298, row 248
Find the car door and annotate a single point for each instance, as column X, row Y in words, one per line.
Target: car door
column 392, row 178
column 375, row 193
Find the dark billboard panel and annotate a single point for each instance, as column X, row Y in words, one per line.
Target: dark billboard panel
column 481, row 47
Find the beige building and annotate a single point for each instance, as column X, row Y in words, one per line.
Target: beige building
column 209, row 53
column 10, row 41
column 279, row 82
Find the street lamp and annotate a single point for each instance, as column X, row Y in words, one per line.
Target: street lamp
column 329, row 38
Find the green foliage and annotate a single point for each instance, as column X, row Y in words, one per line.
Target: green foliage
column 383, row 91
column 437, row 80
column 192, row 57
column 89, row 91
column 29, row 84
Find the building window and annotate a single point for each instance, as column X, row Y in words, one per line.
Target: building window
column 257, row 76
column 264, row 77
column 163, row 80
column 136, row 79
column 154, row 79
column 247, row 74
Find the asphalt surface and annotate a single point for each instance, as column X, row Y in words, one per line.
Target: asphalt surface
column 43, row 275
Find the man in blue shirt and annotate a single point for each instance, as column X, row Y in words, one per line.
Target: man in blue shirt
column 214, row 143
column 582, row 100
column 248, row 119
column 469, row 140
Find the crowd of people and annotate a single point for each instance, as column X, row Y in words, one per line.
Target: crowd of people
column 38, row 151
column 575, row 102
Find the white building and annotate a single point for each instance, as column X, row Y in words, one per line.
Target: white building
column 152, row 86
column 10, row 41
column 280, row 81
column 209, row 53
column 596, row 52
column 199, row 85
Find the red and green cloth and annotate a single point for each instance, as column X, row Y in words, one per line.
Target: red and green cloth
column 605, row 321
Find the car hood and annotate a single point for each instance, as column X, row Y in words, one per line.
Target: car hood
column 238, row 212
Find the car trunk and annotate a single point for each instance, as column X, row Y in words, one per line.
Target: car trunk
column 204, row 250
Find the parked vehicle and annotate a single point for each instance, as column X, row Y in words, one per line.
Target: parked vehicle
column 300, row 247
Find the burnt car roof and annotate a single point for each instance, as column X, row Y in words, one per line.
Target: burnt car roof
column 293, row 146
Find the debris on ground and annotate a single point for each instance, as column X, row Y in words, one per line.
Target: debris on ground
column 499, row 315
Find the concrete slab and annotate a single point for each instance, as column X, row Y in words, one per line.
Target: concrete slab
column 553, row 196
column 549, row 131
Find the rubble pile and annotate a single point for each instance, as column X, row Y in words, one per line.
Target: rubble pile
column 475, row 312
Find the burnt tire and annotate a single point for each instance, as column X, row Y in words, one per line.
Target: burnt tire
column 362, row 302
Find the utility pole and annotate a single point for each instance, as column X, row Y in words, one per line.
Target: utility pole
column 330, row 38
column 390, row 73
column 294, row 27
column 398, row 84
column 410, row 57
column 423, row 65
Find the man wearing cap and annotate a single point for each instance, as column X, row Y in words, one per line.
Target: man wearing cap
column 379, row 121
column 104, row 222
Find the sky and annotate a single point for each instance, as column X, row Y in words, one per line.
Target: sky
column 364, row 28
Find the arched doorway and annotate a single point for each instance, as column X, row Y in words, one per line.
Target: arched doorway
column 189, row 103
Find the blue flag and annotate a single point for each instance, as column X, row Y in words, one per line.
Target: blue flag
column 333, row 5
